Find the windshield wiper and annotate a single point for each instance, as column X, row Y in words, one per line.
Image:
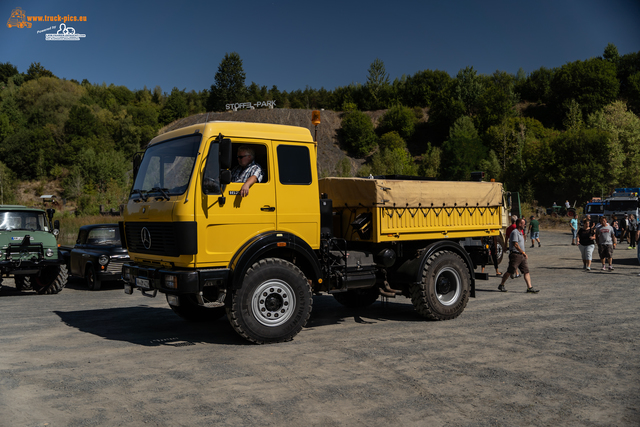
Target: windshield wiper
column 163, row 191
column 142, row 193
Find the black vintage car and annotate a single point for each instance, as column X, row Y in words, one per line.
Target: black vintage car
column 97, row 256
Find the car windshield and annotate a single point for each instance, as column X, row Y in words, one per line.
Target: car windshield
column 167, row 167
column 597, row 209
column 104, row 236
column 16, row 220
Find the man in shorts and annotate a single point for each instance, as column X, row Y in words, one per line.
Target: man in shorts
column 534, row 231
column 517, row 258
column 606, row 243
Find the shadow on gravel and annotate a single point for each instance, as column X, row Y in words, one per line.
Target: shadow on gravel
column 149, row 326
column 327, row 311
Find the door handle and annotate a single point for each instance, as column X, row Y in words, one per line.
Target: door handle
column 268, row 208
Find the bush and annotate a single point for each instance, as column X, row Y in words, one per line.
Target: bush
column 393, row 162
column 357, row 133
column 400, row 119
column 392, row 140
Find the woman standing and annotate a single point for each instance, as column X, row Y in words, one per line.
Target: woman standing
column 586, row 243
column 633, row 228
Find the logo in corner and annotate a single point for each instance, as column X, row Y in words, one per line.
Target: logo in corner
column 65, row 34
column 145, row 235
column 18, row 19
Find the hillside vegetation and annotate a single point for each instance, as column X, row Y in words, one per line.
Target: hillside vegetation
column 570, row 132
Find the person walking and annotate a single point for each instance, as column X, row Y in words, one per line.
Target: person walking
column 517, row 258
column 606, row 243
column 586, row 242
column 574, row 230
column 534, row 231
column 633, row 229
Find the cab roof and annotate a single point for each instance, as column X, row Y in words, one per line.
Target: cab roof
column 18, row 208
column 232, row 130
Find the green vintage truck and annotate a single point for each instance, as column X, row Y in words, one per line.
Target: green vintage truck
column 29, row 249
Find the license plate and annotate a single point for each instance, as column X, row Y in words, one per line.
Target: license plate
column 142, row 283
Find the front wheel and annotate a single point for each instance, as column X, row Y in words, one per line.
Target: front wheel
column 443, row 292
column 51, row 280
column 91, row 278
column 273, row 304
column 21, row 283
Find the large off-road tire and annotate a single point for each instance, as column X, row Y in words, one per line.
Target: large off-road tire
column 357, row 298
column 190, row 310
column 443, row 292
column 21, row 283
column 91, row 278
column 273, row 304
column 51, row 280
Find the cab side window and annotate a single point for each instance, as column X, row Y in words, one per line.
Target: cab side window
column 260, row 158
column 294, row 165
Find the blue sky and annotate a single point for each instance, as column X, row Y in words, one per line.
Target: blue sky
column 294, row 44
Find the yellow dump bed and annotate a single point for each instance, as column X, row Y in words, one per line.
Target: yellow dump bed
column 403, row 210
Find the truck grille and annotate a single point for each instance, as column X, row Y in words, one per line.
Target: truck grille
column 164, row 238
column 115, row 267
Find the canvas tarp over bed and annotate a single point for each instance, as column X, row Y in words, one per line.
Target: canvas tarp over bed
column 363, row 192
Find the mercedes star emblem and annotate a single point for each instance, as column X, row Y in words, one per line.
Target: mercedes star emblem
column 145, row 235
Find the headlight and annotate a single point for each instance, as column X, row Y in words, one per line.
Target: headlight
column 103, row 260
column 49, row 252
column 171, row 281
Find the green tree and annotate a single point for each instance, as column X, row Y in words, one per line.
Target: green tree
column 392, row 140
column 35, row 71
column 592, row 83
column 7, row 70
column 469, row 88
column 395, row 161
column 421, row 89
column 624, row 154
column 175, row 108
column 430, row 164
column 357, row 133
column 377, row 84
column 400, row 119
column 229, row 84
column 611, row 53
column 462, row 152
column 537, row 86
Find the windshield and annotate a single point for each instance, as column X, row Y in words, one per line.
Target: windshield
column 622, row 205
column 166, row 167
column 14, row 220
column 104, row 236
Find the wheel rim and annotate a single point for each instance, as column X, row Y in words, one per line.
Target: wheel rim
column 90, row 278
column 498, row 250
column 273, row 302
column 448, row 286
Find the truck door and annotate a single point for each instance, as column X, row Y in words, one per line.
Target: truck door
column 226, row 220
column 297, row 198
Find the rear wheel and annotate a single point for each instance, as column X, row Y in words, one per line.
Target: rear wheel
column 51, row 280
column 357, row 298
column 273, row 304
column 443, row 292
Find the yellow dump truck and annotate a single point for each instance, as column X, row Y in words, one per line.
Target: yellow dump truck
column 192, row 236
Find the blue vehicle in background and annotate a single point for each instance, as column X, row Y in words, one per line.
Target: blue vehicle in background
column 595, row 207
column 623, row 201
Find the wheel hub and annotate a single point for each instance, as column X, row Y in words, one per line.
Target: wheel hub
column 448, row 286
column 273, row 302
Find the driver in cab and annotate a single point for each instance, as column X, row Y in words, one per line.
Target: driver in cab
column 247, row 170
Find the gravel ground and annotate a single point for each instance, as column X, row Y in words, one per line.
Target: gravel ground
column 566, row 356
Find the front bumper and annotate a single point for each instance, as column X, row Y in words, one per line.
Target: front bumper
column 27, row 266
column 175, row 282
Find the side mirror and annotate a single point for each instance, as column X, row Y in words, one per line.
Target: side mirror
column 225, row 177
column 225, row 154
